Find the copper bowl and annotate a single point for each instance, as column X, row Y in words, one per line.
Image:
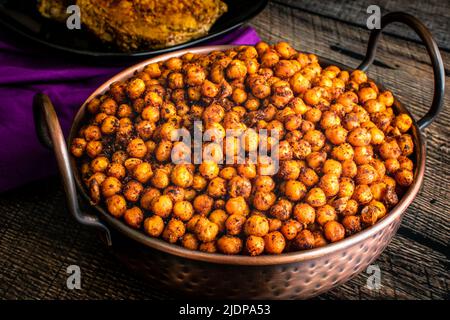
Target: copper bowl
column 287, row 276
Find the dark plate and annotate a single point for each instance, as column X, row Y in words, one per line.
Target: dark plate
column 21, row 16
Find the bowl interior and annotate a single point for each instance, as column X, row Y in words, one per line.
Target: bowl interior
column 158, row 244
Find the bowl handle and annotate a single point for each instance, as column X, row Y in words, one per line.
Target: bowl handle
column 433, row 52
column 50, row 135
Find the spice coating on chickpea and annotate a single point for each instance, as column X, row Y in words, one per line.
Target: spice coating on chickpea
column 345, row 155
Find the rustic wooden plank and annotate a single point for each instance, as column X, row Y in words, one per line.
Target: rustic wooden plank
column 410, row 79
column 38, row 240
column 435, row 14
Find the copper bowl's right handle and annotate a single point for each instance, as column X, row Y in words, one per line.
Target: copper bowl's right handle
column 50, row 135
column 433, row 52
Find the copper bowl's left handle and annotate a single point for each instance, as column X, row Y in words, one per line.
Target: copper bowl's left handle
column 50, row 135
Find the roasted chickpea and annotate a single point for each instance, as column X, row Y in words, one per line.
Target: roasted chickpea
column 237, row 205
column 274, row 242
column 162, row 206
column 304, row 240
column 343, row 152
column 282, row 209
column 304, row 213
column 406, row 144
column 256, row 226
column 108, row 106
column 334, row 231
column 308, row 176
column 254, row 245
column 329, row 183
column 229, row 244
column 203, row 204
column 190, row 241
column 217, row 187
column 132, row 191
column 332, row 166
column 142, row 172
column 116, row 205
column 219, row 217
column 403, row 122
column 263, row 200
column 290, row 229
column 99, row 164
column 78, row 146
column 362, row 194
column 209, row 169
column 295, row 190
column 351, row 224
column 173, row 231
column 110, row 186
column 404, row 177
column 134, row 217
column 366, row 174
column 183, row 210
column 336, row 135
column 92, row 133
column 206, row 230
column 359, row 137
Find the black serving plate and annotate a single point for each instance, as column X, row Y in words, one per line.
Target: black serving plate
column 22, row 17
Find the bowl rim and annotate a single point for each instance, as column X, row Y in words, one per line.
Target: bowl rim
column 262, row 260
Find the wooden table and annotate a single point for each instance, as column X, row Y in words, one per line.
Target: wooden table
column 39, row 240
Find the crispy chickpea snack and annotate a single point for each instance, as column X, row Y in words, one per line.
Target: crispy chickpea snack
column 343, row 152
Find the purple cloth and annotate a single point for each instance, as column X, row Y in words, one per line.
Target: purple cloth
column 26, row 70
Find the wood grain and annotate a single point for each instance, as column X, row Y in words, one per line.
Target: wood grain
column 39, row 240
column 435, row 14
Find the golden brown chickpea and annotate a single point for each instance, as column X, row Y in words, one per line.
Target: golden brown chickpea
column 78, row 146
column 174, row 64
column 199, row 183
column 329, row 183
column 229, row 244
column 147, row 197
column 206, row 230
column 134, row 217
column 349, row 168
column 359, row 137
column 256, row 225
column 282, row 209
column 351, row 224
column 132, row 191
column 94, row 148
column 209, row 169
column 116, row 205
column 173, row 231
column 263, row 200
column 237, row 205
column 110, row 186
column 92, row 133
column 162, row 206
column 358, row 76
column 182, row 176
column 406, row 144
column 281, row 94
column 403, row 122
column 99, row 164
column 269, row 58
column 183, row 210
column 190, row 241
column 228, row 173
column 362, row 194
column 366, row 174
column 294, row 190
column 160, row 179
column 324, row 214
column 142, row 172
column 108, row 106
column 163, row 151
column 154, row 226
column 290, row 229
column 316, row 197
column 274, row 242
column 336, row 135
column 404, row 177
column 316, row 159
column 315, row 138
column 195, row 75
column 332, row 166
column 203, row 204
column 405, row 163
column 254, row 245
column 329, row 120
column 219, row 217
column 236, row 69
column 304, row 213
column 299, row 83
column 366, row 94
column 343, row 152
column 135, row 88
column 346, row 187
column 334, row 231
column 217, row 187
column 389, row 149
column 137, row 148
column 304, row 240
column 308, row 176
column 235, row 224
column 312, row 96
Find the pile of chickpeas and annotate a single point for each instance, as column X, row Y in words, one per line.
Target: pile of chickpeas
column 343, row 152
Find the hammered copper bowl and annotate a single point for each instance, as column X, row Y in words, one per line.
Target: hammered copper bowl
column 287, row 276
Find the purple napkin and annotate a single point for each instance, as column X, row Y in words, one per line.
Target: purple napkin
column 26, row 70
